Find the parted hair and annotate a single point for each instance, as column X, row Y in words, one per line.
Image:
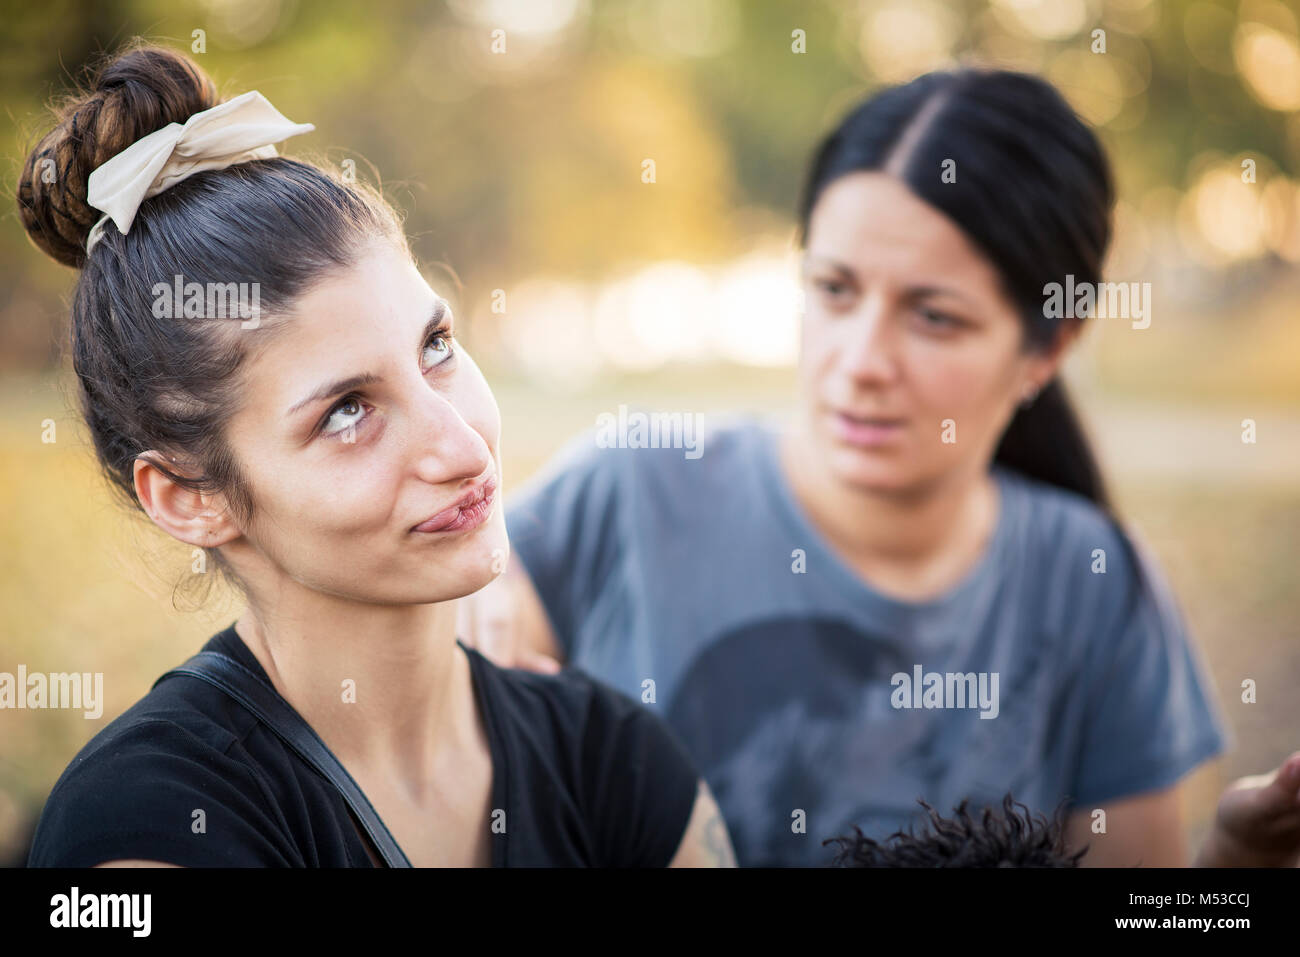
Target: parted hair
column 1035, row 194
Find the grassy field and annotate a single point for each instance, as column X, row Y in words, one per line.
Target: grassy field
column 86, row 586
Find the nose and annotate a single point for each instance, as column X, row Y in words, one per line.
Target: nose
column 447, row 448
column 869, row 352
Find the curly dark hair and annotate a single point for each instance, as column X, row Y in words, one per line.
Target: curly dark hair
column 1009, row 839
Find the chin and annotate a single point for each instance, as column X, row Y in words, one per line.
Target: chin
column 485, row 548
column 462, row 589
column 870, row 472
column 460, row 567
column 450, row 583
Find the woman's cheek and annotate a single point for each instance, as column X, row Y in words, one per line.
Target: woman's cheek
column 477, row 404
column 976, row 404
column 955, row 385
column 822, row 340
column 817, row 356
column 350, row 495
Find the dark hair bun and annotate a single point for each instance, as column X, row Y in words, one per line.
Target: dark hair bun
column 129, row 96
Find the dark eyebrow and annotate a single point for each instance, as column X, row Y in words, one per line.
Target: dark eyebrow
column 913, row 292
column 920, row 292
column 331, row 389
column 827, row 261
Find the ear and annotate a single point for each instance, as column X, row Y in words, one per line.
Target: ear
column 1045, row 365
column 196, row 518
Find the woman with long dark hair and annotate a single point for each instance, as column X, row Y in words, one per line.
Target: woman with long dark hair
column 917, row 587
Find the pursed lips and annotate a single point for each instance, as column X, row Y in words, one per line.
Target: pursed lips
column 476, row 500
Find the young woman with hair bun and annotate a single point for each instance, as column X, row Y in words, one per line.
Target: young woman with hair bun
column 337, row 459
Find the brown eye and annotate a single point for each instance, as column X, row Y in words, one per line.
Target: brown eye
column 347, row 413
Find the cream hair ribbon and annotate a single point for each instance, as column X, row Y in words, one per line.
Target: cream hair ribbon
column 241, row 129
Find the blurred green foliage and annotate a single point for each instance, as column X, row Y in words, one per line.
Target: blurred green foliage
column 528, row 160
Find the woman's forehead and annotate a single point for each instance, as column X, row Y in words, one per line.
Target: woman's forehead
column 872, row 224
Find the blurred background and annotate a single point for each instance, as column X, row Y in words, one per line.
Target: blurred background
column 580, row 286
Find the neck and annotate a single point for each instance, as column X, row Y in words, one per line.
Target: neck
column 383, row 686
column 913, row 543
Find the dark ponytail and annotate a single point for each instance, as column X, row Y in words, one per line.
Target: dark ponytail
column 1033, row 191
column 1046, row 441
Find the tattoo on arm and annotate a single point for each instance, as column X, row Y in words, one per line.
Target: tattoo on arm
column 717, row 842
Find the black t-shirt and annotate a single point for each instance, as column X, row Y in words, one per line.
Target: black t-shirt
column 586, row 776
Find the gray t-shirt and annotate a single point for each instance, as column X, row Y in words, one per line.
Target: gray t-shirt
column 698, row 586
